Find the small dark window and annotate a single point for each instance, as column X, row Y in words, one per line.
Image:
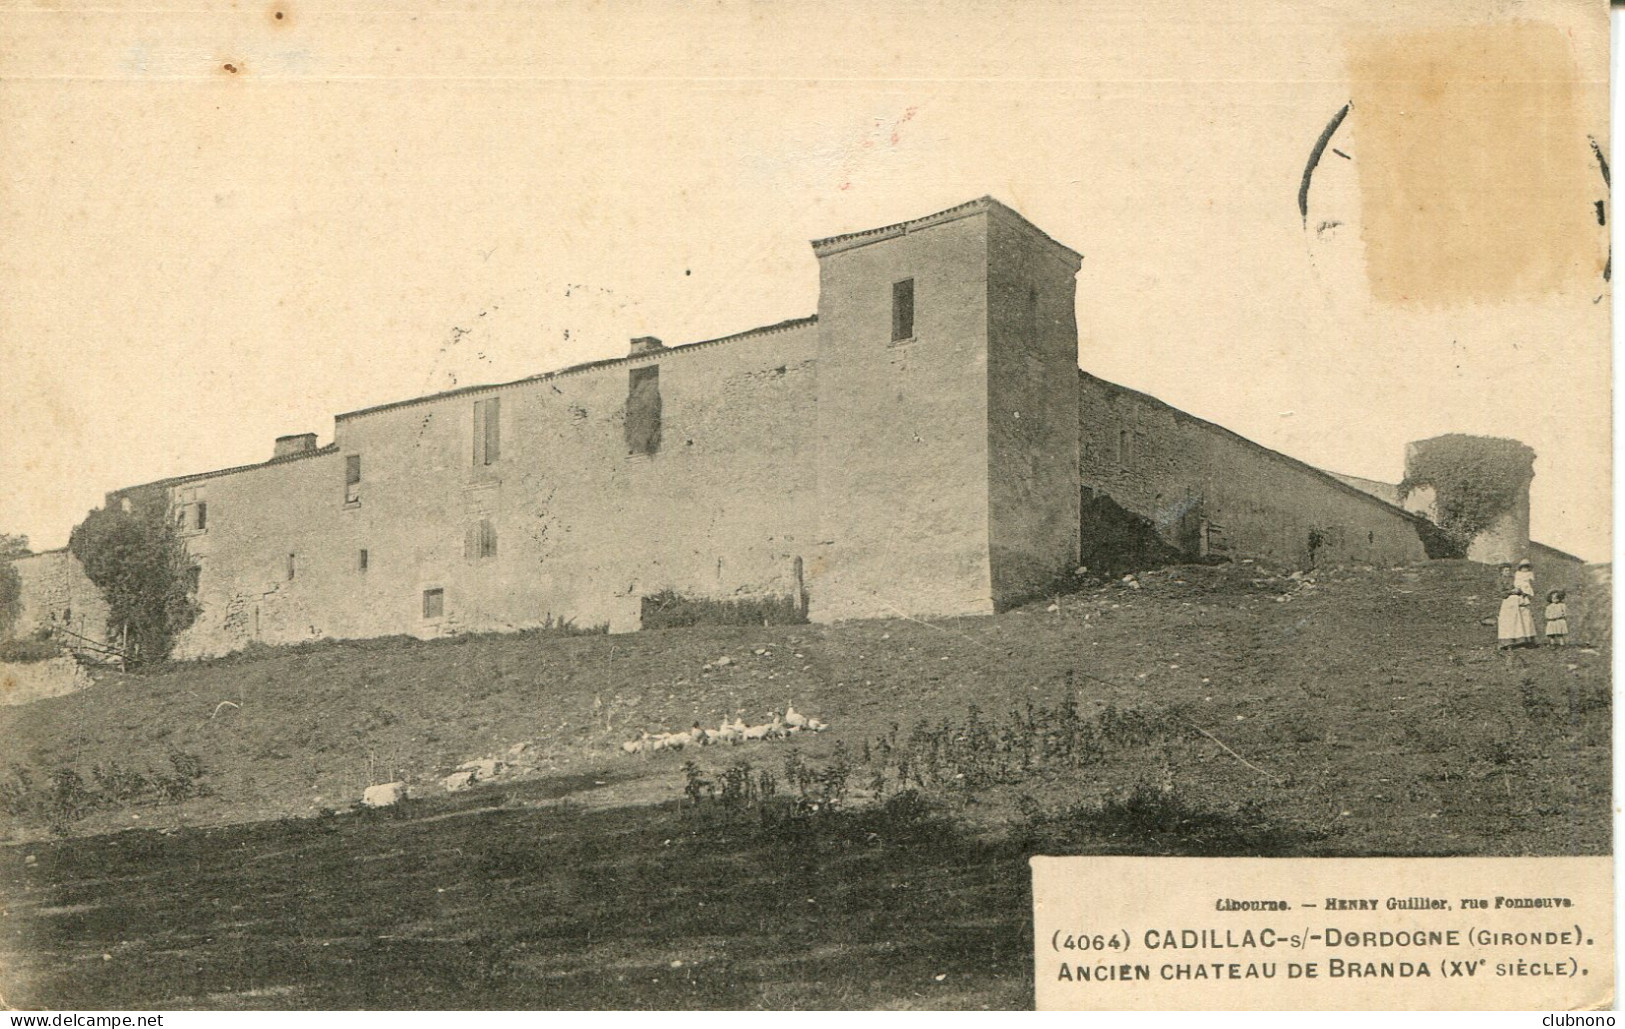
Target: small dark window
column 290, row 568
column 902, row 310
column 361, row 560
column 487, row 431
column 202, row 515
column 1124, row 448
column 643, row 410
column 434, row 603
column 1029, row 317
column 352, row 479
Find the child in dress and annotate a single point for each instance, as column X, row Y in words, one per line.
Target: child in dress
column 1557, row 618
column 1524, row 579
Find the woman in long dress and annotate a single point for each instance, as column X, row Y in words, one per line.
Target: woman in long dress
column 1524, row 581
column 1515, row 625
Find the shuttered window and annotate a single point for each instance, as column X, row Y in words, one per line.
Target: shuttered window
column 191, row 510
column 480, row 540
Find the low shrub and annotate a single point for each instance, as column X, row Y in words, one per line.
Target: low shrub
column 669, row 609
column 975, row 752
column 65, row 797
column 1151, row 818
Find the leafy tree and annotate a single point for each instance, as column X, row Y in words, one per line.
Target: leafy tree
column 144, row 572
column 11, row 584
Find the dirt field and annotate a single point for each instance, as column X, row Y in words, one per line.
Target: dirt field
column 1198, row 710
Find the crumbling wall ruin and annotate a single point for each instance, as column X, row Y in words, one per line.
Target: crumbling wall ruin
column 56, row 593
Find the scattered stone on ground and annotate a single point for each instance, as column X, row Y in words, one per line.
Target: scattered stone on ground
column 384, row 795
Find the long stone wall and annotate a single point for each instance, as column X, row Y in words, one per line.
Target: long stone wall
column 545, row 516
column 1205, row 489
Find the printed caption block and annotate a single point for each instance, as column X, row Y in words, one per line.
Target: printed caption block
column 1123, row 933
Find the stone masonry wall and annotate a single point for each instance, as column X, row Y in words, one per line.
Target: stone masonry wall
column 902, row 425
column 1182, row 472
column 564, row 523
column 271, row 558
column 56, row 592
column 41, row 680
column 1507, row 537
column 1032, row 410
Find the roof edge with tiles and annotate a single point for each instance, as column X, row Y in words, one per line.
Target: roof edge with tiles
column 848, row 241
column 332, row 448
column 1256, row 447
column 587, row 366
column 177, row 480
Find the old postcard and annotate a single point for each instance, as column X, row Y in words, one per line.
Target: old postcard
column 928, row 505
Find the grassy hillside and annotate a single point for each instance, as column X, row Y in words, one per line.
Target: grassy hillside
column 1200, row 710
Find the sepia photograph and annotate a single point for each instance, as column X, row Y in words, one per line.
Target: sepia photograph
column 666, row 506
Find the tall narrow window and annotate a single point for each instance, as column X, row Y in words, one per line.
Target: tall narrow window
column 361, row 560
column 1125, row 444
column 1029, row 317
column 643, row 410
column 902, row 310
column 290, row 568
column 487, row 431
column 352, row 479
column 434, row 603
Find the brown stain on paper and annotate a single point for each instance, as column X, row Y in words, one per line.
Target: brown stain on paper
column 1473, row 164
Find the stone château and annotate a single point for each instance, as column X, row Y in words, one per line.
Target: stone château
column 924, row 445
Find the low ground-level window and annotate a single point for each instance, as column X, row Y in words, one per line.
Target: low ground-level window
column 434, row 603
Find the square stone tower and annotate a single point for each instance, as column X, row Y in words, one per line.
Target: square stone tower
column 947, row 415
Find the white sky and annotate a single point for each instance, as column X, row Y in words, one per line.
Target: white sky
column 195, row 261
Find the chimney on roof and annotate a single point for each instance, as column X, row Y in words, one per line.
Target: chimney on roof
column 646, row 345
column 302, row 443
